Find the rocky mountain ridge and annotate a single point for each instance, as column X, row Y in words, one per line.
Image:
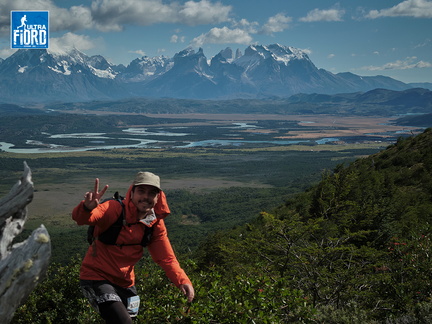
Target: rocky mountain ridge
column 42, row 76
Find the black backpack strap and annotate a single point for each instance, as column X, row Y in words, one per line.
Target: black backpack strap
column 148, row 232
column 110, row 235
column 146, row 239
column 90, row 232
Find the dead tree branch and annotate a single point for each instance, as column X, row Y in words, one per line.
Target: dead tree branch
column 22, row 265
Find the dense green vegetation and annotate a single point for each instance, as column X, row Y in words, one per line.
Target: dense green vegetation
column 353, row 248
column 357, row 244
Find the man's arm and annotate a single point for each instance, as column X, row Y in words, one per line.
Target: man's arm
column 162, row 253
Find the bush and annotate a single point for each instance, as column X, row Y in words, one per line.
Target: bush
column 219, row 299
column 57, row 299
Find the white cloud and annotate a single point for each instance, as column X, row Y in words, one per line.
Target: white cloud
column 139, row 52
column 409, row 8
column 222, row 35
column 244, row 24
column 427, row 42
column 203, row 12
column 240, row 31
column 307, row 51
column 330, row 56
column 408, row 63
column 175, row 39
column 71, row 40
column 277, row 23
column 72, row 19
column 323, row 15
column 113, row 15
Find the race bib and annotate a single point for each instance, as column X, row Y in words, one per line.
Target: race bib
column 133, row 304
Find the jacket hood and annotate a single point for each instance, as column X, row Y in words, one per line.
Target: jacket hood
column 161, row 208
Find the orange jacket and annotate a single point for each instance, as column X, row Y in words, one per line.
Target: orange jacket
column 116, row 263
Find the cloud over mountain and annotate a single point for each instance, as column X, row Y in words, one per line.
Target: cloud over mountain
column 221, row 36
column 407, row 8
column 113, row 15
column 324, row 15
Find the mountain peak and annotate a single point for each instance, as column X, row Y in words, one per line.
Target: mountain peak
column 238, row 53
column 146, row 68
column 188, row 51
column 262, row 71
column 287, row 52
column 227, row 54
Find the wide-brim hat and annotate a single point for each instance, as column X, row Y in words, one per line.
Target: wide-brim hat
column 147, row 178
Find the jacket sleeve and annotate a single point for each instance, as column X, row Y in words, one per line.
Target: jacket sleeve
column 162, row 253
column 109, row 209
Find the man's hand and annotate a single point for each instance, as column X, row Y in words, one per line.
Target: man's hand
column 92, row 198
column 189, row 292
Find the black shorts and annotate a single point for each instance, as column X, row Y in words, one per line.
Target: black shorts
column 101, row 291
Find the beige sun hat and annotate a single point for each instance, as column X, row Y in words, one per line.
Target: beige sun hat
column 147, row 178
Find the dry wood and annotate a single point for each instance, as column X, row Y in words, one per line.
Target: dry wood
column 23, row 264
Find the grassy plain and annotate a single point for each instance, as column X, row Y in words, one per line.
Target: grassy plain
column 328, row 125
column 240, row 181
column 62, row 182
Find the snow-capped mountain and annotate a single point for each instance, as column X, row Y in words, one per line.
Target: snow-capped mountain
column 146, row 68
column 260, row 72
column 189, row 77
column 43, row 76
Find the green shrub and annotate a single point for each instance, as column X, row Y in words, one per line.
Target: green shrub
column 57, row 299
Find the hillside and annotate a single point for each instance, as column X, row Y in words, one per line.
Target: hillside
column 356, row 244
column 354, row 248
column 388, row 194
column 377, row 102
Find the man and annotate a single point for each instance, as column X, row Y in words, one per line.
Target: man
column 107, row 272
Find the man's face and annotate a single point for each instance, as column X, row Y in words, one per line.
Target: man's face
column 144, row 198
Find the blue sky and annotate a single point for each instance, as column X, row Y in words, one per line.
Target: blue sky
column 368, row 37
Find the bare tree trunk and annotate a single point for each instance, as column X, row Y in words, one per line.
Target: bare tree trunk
column 22, row 265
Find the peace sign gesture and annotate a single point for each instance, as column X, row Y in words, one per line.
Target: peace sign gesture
column 92, row 198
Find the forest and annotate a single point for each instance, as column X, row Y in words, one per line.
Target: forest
column 354, row 247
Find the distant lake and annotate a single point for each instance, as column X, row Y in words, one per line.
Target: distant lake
column 53, row 148
column 258, row 133
column 237, row 143
column 95, row 139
